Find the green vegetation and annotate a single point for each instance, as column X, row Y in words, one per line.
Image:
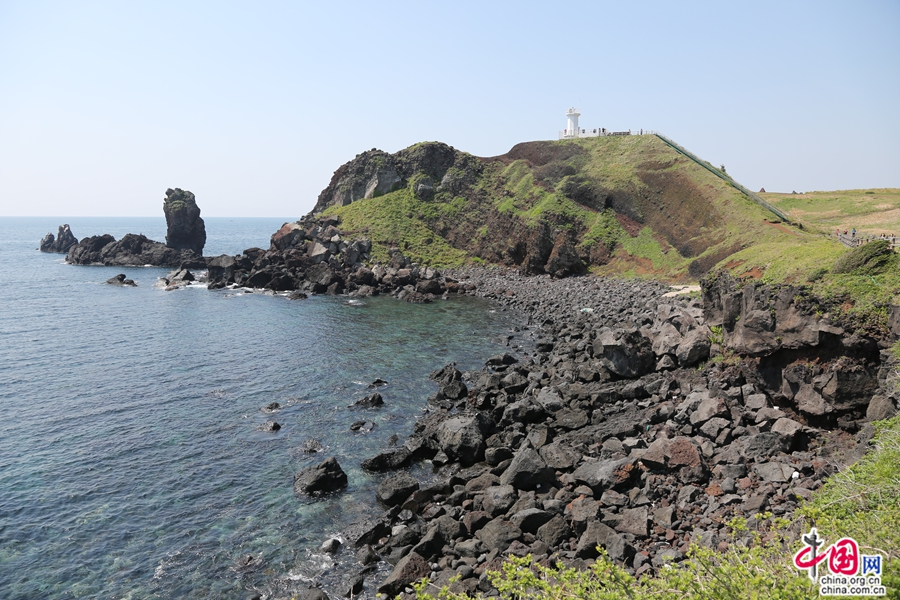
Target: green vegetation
column 791, row 260
column 635, row 207
column 645, row 246
column 604, row 229
column 862, row 502
column 396, row 220
column 869, row 259
column 758, row 571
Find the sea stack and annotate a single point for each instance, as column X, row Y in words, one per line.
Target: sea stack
column 64, row 240
column 185, row 228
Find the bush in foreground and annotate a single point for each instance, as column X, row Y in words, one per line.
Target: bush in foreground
column 760, row 570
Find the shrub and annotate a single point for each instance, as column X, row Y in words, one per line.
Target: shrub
column 816, row 274
column 869, row 259
column 761, row 570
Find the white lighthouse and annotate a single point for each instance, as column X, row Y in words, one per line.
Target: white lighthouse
column 572, row 130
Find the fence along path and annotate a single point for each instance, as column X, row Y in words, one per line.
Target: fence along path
column 753, row 196
column 854, row 240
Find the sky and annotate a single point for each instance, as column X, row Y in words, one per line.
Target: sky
column 253, row 105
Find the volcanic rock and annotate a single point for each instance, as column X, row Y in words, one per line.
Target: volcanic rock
column 325, row 477
column 370, row 401
column 120, row 279
column 396, row 488
column 61, row 243
column 185, row 229
column 411, row 568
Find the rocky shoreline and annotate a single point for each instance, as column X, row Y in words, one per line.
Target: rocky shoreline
column 620, row 418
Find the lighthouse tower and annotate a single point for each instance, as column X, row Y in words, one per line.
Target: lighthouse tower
column 572, row 129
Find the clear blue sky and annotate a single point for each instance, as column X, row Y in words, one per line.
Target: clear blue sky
column 253, row 105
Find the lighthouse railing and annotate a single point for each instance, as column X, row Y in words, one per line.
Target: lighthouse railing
column 600, row 132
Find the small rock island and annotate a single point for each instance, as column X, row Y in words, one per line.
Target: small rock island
column 64, row 240
column 185, row 238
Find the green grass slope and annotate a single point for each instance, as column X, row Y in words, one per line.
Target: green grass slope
column 626, row 205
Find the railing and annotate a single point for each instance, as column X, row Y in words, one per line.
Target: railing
column 853, row 240
column 600, row 132
column 725, row 177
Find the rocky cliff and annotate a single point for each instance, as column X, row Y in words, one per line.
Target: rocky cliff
column 375, row 173
column 625, row 203
column 827, row 370
column 186, row 230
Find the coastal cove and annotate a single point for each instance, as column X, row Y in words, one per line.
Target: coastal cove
column 131, row 465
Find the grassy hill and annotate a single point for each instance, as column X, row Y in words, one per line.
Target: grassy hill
column 627, row 205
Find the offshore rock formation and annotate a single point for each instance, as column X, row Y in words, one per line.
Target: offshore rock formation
column 132, row 250
column 185, row 239
column 121, row 280
column 61, row 243
column 186, row 230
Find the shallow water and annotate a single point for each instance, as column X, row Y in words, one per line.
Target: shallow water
column 129, row 462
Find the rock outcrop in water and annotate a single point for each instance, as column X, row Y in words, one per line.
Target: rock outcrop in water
column 185, row 239
column 121, row 280
column 61, row 243
column 185, row 228
column 133, row 250
column 319, row 479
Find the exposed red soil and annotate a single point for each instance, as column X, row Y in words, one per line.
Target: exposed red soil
column 632, row 227
column 782, row 227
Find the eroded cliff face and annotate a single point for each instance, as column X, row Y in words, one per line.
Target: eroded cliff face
column 375, row 173
column 437, row 172
column 186, row 230
column 803, row 358
column 547, row 207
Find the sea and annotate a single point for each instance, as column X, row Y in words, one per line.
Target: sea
column 130, row 461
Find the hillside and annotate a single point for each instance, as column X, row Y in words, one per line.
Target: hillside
column 628, row 205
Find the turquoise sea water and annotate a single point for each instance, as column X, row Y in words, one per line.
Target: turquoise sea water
column 129, row 462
